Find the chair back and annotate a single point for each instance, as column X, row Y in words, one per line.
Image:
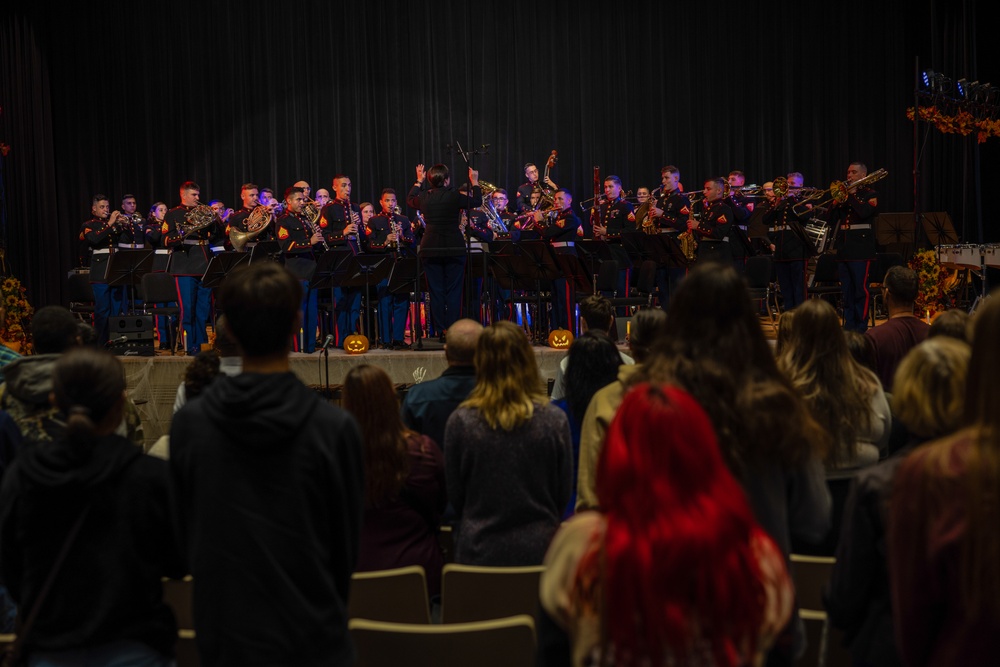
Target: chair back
column 471, row 593
column 506, row 642
column 392, row 596
column 758, row 271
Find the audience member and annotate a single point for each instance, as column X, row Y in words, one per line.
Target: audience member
column 596, row 314
column 594, row 361
column 903, row 330
column 861, row 348
column 674, row 569
column 943, row 543
column 91, row 491
column 784, row 331
column 649, row 325
column 953, row 323
column 25, row 394
column 269, row 484
column 223, row 359
column 713, row 348
column 929, row 398
column 508, row 457
column 404, row 481
column 428, row 405
column 844, row 397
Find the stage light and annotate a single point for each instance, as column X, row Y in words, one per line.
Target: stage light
column 962, row 90
column 927, row 76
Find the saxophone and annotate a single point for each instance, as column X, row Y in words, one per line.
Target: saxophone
column 687, row 240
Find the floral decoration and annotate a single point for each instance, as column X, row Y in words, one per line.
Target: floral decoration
column 14, row 333
column 961, row 122
column 932, row 281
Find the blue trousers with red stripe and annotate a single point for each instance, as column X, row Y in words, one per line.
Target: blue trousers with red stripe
column 854, row 288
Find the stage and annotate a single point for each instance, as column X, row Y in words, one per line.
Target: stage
column 153, row 381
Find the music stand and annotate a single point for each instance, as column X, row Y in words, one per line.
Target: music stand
column 127, row 267
column 364, row 269
column 265, row 251
column 221, row 265
column 540, row 268
column 595, row 253
column 404, row 278
column 938, row 228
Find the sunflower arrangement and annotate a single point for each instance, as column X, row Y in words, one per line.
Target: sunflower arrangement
column 932, row 280
column 14, row 331
column 961, row 122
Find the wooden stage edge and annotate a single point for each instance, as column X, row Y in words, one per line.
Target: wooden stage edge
column 153, row 381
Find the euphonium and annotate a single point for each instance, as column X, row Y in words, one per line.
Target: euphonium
column 780, row 187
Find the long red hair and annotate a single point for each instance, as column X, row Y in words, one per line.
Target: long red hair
column 680, row 567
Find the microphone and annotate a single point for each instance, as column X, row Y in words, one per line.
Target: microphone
column 326, row 343
column 115, row 341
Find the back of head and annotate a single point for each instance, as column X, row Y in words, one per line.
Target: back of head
column 460, row 344
column 953, row 323
column 861, row 348
column 88, row 385
column 679, row 548
column 593, row 363
column 507, row 379
column 596, row 310
column 648, row 327
column 53, row 330
column 929, row 387
column 370, row 396
column 902, row 283
column 437, row 175
column 982, row 406
column 261, row 303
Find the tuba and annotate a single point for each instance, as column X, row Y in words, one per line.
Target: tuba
column 198, row 218
column 257, row 222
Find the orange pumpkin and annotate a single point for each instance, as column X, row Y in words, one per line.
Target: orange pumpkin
column 560, row 339
column 356, row 344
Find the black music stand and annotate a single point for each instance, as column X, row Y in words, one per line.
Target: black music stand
column 938, row 228
column 126, row 268
column 595, row 253
column 477, row 270
column 265, row 251
column 540, row 268
column 221, row 265
column 366, row 269
column 404, row 278
column 576, row 275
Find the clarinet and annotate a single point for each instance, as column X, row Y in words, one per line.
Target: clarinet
column 352, row 236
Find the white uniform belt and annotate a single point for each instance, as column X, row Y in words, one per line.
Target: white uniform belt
column 865, row 225
column 563, row 244
column 162, row 251
column 131, row 245
column 195, row 242
column 218, row 248
column 101, row 251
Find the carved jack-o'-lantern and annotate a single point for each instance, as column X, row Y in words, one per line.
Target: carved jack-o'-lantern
column 560, row 339
column 356, row 344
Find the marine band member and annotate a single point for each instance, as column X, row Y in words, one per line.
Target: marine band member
column 98, row 238
column 299, row 242
column 560, row 232
column 713, row 225
column 531, row 185
column 340, row 222
column 853, row 219
column 670, row 214
column 390, row 232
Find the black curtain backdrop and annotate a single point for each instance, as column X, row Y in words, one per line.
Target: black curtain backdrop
column 127, row 97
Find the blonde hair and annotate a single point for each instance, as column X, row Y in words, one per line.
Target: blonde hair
column 929, row 387
column 508, row 383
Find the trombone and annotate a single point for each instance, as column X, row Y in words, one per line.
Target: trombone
column 838, row 190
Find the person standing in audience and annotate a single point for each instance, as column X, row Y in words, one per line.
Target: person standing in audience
column 594, row 361
column 713, row 348
column 404, row 481
column 269, row 484
column 428, row 405
column 903, row 330
column 674, row 570
column 929, row 399
column 648, row 326
column 508, row 457
column 94, row 494
column 953, row 323
column 596, row 314
column 943, row 518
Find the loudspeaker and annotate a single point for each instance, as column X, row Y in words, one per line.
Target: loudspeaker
column 131, row 335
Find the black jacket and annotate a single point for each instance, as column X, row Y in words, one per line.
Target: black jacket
column 109, row 586
column 269, row 481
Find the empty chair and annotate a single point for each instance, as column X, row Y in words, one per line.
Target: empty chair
column 391, row 596
column 506, row 642
column 758, row 274
column 810, row 575
column 81, row 297
column 177, row 596
column 471, row 593
column 825, row 281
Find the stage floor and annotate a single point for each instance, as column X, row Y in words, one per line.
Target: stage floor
column 153, row 381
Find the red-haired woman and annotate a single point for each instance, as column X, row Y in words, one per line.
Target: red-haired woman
column 674, row 563
column 404, row 481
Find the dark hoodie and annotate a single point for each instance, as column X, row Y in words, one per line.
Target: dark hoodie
column 269, row 485
column 109, row 586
